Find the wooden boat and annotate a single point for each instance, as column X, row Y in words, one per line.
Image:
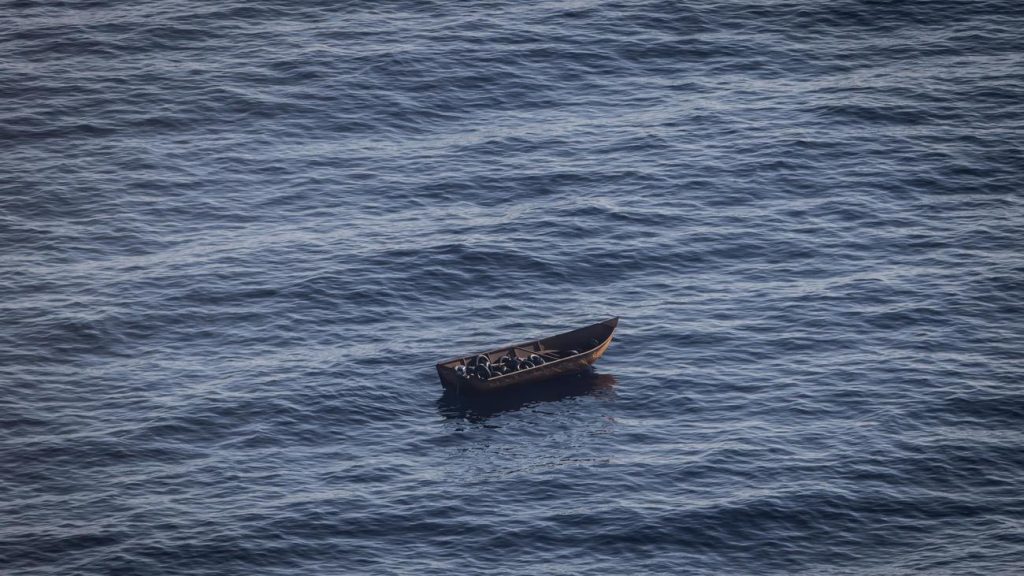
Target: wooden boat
column 567, row 353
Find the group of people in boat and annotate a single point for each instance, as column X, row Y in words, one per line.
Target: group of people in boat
column 481, row 367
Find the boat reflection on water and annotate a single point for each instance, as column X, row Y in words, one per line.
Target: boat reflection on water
column 479, row 407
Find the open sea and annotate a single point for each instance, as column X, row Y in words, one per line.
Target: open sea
column 236, row 236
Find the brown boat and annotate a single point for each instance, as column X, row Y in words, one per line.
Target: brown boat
column 562, row 354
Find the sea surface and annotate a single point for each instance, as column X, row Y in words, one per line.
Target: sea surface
column 236, row 237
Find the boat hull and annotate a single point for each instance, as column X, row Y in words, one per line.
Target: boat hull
column 577, row 339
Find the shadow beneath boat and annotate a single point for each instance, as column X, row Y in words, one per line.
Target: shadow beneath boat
column 481, row 406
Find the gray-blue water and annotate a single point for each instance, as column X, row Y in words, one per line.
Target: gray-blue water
column 236, row 236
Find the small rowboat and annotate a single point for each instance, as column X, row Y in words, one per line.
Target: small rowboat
column 568, row 353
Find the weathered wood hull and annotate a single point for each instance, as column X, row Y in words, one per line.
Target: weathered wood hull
column 580, row 339
column 479, row 407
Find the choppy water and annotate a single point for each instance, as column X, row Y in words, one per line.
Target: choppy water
column 236, row 236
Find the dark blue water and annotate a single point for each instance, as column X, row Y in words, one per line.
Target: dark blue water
column 236, row 236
